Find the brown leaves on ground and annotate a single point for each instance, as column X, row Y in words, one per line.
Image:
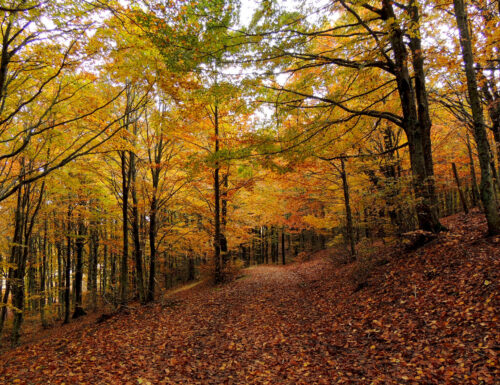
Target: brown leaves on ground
column 428, row 317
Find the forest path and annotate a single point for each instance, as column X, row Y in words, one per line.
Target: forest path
column 247, row 331
column 426, row 317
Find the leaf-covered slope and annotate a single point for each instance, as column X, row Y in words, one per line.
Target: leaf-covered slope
column 427, row 317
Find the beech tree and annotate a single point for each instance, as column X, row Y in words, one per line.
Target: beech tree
column 40, row 78
column 486, row 186
column 386, row 42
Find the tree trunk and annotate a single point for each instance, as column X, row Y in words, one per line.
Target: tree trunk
column 223, row 241
column 14, row 256
column 152, row 248
column 136, row 232
column 93, row 262
column 475, row 189
column 417, row 135
column 191, row 271
column 29, row 205
column 124, row 260
column 480, row 135
column 43, row 274
column 67, row 270
column 459, row 187
column 283, row 255
column 349, row 225
column 79, row 244
column 60, row 278
column 217, row 225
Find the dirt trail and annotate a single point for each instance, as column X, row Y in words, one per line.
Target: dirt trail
column 248, row 331
column 429, row 317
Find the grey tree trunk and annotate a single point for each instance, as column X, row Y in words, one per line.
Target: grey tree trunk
column 152, row 247
column 136, row 232
column 217, row 210
column 475, row 189
column 67, row 269
column 30, row 206
column 415, row 123
column 283, row 256
column 125, row 166
column 459, row 187
column 79, row 244
column 93, row 262
column 43, row 275
column 480, row 135
column 349, row 224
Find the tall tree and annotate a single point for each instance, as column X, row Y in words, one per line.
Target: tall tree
column 39, row 85
column 480, row 134
column 378, row 41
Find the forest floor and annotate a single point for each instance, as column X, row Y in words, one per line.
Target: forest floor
column 424, row 317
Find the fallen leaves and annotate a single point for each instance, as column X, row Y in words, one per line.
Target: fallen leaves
column 429, row 317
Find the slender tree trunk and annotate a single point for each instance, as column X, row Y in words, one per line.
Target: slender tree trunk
column 265, row 236
column 78, row 279
column 60, row 279
column 136, row 232
column 480, row 135
column 67, row 270
column 29, row 205
column 43, row 274
column 124, row 260
column 93, row 263
column 190, row 275
column 15, row 254
column 32, row 289
column 349, row 225
column 104, row 269
column 283, row 255
column 152, row 247
column 217, row 225
column 113, row 267
column 459, row 187
column 475, row 189
column 18, row 296
column 495, row 119
column 223, row 241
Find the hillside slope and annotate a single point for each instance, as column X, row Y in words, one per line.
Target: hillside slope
column 426, row 317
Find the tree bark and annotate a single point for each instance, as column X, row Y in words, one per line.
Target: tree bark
column 43, row 275
column 475, row 189
column 126, row 169
column 29, row 211
column 283, row 255
column 480, row 135
column 67, row 269
column 136, row 231
column 349, row 225
column 93, row 263
column 415, row 124
column 459, row 187
column 152, row 247
column 14, row 256
column 79, row 244
column 218, row 277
